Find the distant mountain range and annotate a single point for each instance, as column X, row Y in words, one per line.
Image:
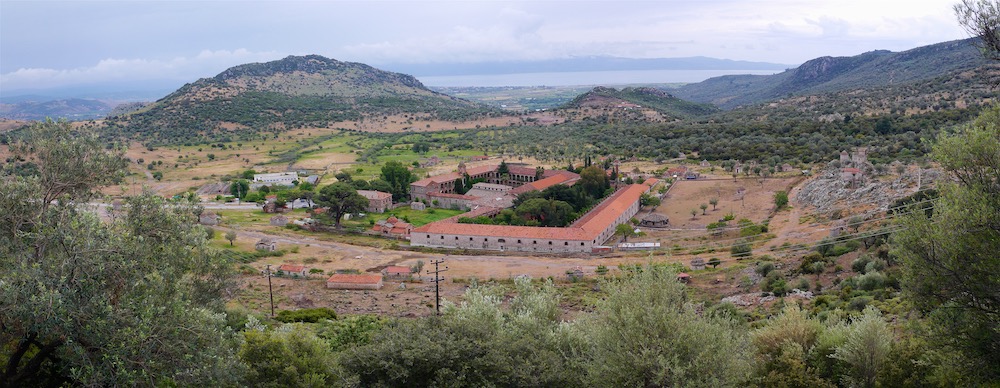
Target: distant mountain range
column 63, row 104
column 70, row 109
column 831, row 74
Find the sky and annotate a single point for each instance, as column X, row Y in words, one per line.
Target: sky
column 59, row 44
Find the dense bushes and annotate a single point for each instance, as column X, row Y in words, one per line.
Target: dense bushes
column 306, row 315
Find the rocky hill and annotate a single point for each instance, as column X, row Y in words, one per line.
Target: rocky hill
column 644, row 102
column 294, row 92
column 871, row 70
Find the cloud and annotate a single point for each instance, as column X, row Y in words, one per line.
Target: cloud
column 206, row 63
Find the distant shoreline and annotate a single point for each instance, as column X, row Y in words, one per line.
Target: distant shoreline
column 581, row 78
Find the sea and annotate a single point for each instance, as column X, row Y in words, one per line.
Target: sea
column 575, row 78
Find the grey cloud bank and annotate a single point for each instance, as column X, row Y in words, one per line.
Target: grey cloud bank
column 51, row 44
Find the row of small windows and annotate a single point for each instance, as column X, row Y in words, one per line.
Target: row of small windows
column 504, row 241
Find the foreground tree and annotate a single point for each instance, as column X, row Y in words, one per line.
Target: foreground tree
column 647, row 334
column 340, row 198
column 981, row 19
column 950, row 257
column 291, row 356
column 132, row 301
column 869, row 341
column 476, row 344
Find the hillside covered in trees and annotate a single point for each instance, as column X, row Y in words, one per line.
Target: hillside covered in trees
column 294, row 92
column 871, row 70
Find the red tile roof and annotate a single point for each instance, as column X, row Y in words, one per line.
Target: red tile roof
column 291, row 268
column 852, row 170
column 545, row 183
column 372, row 194
column 355, row 278
column 596, row 220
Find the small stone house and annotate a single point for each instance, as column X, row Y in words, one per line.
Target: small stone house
column 378, row 201
column 697, row 264
column 293, row 270
column 678, row 171
column 266, row 244
column 683, row 277
column 355, row 281
column 209, row 218
column 397, row 272
column 279, row 220
column 393, row 227
column 417, row 205
column 851, row 175
column 654, row 220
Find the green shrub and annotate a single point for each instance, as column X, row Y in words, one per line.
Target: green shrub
column 871, row 281
column 859, row 303
column 306, row 315
column 741, row 249
column 840, row 250
column 875, row 265
column 859, row 264
column 763, row 269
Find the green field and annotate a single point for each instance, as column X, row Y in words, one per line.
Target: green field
column 415, row 217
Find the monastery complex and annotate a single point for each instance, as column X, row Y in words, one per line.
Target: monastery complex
column 584, row 235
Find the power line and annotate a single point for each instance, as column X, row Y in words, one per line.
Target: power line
column 437, row 283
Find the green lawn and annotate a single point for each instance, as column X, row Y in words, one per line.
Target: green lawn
column 415, row 217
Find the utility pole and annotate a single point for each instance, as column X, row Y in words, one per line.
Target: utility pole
column 437, row 283
column 270, row 291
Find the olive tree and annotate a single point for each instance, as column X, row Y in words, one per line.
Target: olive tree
column 647, row 333
column 135, row 300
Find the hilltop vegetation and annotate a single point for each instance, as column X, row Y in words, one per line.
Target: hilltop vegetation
column 637, row 99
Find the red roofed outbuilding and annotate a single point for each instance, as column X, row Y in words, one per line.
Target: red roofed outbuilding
column 294, row 270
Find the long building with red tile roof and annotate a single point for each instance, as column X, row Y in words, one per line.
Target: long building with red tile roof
column 590, row 231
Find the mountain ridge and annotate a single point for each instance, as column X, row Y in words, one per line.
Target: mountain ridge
column 872, row 69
